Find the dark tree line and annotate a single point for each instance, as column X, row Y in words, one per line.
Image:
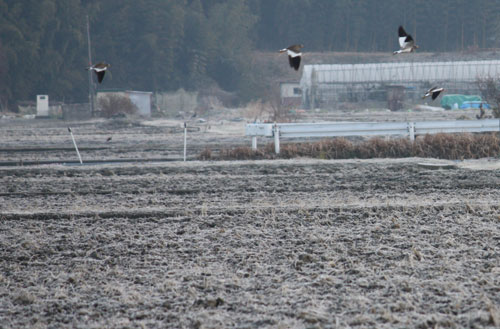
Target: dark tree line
column 160, row 45
column 367, row 25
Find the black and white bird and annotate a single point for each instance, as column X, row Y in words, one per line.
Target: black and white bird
column 433, row 92
column 99, row 69
column 406, row 42
column 294, row 55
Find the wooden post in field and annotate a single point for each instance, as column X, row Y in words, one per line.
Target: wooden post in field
column 276, row 139
column 254, row 143
column 185, row 140
column 76, row 147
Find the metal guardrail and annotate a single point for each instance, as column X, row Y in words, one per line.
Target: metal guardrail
column 434, row 127
column 333, row 129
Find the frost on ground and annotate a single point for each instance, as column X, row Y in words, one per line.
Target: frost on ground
column 257, row 244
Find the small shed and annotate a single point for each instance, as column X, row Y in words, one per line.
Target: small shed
column 42, row 105
column 290, row 93
column 141, row 99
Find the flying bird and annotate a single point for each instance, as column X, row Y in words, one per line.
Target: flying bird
column 294, row 55
column 406, row 42
column 99, row 69
column 433, row 92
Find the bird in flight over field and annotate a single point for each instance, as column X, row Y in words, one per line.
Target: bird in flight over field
column 433, row 92
column 294, row 55
column 99, row 69
column 406, row 42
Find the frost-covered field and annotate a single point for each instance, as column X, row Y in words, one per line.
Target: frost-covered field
column 251, row 244
column 23, row 141
column 278, row 244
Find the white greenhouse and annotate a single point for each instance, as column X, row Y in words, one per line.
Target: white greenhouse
column 327, row 84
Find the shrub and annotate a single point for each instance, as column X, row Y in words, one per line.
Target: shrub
column 206, row 154
column 490, row 90
column 111, row 105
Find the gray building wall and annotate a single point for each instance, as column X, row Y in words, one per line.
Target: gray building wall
column 171, row 103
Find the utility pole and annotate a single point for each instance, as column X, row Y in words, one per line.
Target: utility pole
column 91, row 85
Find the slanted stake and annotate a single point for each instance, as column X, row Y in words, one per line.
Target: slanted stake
column 76, row 147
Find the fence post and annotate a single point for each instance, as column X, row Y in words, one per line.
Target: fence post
column 76, row 147
column 185, row 140
column 276, row 139
column 254, row 143
column 411, row 130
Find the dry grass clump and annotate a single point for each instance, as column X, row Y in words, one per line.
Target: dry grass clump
column 337, row 148
column 238, row 153
column 206, row 154
column 443, row 146
column 380, row 148
column 458, row 146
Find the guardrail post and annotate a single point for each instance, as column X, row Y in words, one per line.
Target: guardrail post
column 276, row 139
column 411, row 130
column 254, row 143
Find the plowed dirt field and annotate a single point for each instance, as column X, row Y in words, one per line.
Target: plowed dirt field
column 251, row 244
